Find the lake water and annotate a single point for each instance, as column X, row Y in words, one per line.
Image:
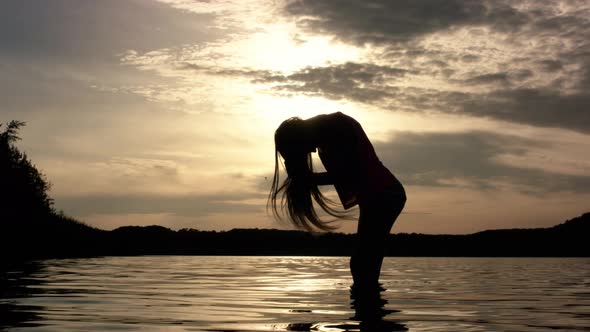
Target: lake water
column 213, row 293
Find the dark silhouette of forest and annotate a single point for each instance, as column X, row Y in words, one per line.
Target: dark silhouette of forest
column 30, row 228
column 567, row 239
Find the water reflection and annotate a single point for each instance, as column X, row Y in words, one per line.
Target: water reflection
column 369, row 309
column 16, row 282
column 178, row 293
column 369, row 313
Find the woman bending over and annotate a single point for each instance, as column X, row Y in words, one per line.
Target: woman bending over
column 357, row 174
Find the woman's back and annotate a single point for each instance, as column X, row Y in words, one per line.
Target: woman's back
column 349, row 156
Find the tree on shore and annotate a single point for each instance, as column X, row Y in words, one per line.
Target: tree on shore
column 23, row 188
column 29, row 225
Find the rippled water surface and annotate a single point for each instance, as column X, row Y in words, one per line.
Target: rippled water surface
column 194, row 293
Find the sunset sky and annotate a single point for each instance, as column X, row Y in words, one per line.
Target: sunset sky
column 163, row 112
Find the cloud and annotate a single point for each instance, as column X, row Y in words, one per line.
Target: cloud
column 385, row 21
column 473, row 159
column 521, row 62
column 499, row 79
column 63, row 56
column 382, row 86
column 502, row 78
column 357, row 81
column 551, row 65
column 266, row 75
column 363, row 82
column 524, row 62
column 40, row 87
column 474, row 162
column 391, row 22
column 188, row 205
column 529, row 106
column 91, row 30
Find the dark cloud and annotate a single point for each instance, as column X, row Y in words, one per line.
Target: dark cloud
column 440, row 159
column 361, row 82
column 469, row 58
column 384, row 21
column 551, row 65
column 498, row 79
column 545, row 83
column 537, row 107
column 364, row 82
column 373, row 84
column 549, row 17
column 501, row 78
column 392, row 22
column 378, row 85
column 357, row 72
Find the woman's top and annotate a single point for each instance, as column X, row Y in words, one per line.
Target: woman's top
column 349, row 157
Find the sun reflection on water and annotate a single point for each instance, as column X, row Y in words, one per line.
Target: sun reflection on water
column 210, row 293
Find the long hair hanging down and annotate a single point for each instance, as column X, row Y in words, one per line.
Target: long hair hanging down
column 295, row 196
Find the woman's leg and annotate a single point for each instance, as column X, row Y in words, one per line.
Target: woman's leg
column 375, row 221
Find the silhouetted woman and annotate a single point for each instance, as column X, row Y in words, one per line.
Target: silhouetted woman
column 357, row 175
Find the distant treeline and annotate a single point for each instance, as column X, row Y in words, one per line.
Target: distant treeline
column 73, row 240
column 568, row 239
column 30, row 228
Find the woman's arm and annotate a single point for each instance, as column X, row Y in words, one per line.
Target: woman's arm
column 322, row 179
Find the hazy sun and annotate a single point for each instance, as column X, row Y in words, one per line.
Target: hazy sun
column 279, row 48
